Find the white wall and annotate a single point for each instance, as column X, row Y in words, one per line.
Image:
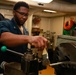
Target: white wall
column 54, row 24
column 45, row 24
column 57, row 25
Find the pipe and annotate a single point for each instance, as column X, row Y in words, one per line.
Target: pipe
column 61, row 6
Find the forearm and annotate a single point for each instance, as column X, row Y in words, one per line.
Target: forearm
column 10, row 39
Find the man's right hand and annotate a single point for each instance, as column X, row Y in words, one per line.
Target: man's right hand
column 38, row 41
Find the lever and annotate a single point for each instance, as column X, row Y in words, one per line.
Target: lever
column 4, row 49
column 65, row 62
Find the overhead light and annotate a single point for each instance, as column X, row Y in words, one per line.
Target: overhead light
column 43, row 1
column 49, row 11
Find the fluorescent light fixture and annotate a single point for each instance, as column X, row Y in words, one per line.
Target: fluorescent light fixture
column 49, row 11
column 43, row 1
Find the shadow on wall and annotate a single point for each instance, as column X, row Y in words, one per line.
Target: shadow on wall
column 2, row 17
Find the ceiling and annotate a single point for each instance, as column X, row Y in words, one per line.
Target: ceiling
column 63, row 7
column 71, row 1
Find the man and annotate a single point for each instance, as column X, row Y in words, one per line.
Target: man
column 15, row 36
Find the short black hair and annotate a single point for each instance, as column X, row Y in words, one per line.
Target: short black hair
column 19, row 4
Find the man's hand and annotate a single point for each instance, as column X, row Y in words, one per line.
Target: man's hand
column 38, row 41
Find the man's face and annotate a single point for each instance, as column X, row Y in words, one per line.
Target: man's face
column 21, row 15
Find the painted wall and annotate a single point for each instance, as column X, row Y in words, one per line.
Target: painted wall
column 57, row 25
column 52, row 24
column 45, row 24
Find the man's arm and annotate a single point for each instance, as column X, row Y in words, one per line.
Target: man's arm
column 10, row 39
